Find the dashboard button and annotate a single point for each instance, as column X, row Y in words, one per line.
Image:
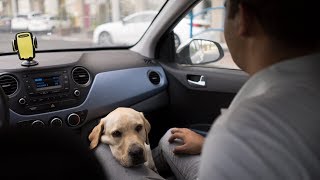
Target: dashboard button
column 22, row 101
column 56, row 91
column 73, row 119
column 76, row 93
column 37, row 124
column 44, row 92
column 33, row 108
column 34, row 100
column 39, row 107
column 56, row 122
column 31, row 93
column 52, row 105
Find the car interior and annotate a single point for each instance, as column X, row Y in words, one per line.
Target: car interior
column 88, row 83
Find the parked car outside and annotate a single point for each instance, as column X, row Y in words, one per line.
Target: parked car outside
column 131, row 28
column 126, row 32
column 21, row 21
column 5, row 23
column 48, row 23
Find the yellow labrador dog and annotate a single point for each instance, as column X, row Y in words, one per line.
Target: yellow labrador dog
column 126, row 132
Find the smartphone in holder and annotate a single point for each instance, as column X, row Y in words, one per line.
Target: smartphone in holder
column 24, row 44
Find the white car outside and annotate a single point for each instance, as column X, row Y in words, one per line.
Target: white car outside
column 47, row 23
column 126, row 32
column 21, row 21
column 131, row 28
column 44, row 23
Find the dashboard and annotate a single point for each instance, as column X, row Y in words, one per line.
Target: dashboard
column 67, row 89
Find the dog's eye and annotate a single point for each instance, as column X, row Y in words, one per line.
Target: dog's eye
column 116, row 134
column 138, row 128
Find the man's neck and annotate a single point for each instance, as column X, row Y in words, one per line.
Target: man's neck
column 264, row 56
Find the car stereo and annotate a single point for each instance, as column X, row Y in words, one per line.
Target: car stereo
column 47, row 83
column 47, row 91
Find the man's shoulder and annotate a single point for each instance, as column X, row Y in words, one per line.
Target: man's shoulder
column 250, row 109
column 278, row 103
column 259, row 136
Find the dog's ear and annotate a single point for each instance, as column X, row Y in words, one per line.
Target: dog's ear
column 95, row 134
column 147, row 127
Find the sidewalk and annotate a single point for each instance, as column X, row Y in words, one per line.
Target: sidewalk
column 73, row 37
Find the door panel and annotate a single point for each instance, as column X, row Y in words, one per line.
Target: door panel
column 190, row 104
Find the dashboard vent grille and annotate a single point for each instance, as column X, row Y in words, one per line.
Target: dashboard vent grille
column 154, row 77
column 9, row 84
column 148, row 61
column 81, row 76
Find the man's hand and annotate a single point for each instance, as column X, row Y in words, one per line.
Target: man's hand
column 192, row 142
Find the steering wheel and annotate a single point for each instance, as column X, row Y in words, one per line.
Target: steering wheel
column 4, row 109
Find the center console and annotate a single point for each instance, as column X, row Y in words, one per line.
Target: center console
column 47, row 91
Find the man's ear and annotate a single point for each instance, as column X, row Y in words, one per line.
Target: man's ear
column 245, row 21
column 147, row 127
column 95, row 134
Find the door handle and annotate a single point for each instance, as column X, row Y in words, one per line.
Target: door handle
column 200, row 83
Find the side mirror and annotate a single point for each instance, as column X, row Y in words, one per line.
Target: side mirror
column 199, row 51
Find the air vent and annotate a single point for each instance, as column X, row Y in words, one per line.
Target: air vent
column 154, row 77
column 9, row 84
column 148, row 61
column 81, row 76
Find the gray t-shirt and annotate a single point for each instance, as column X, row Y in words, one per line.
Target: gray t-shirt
column 271, row 129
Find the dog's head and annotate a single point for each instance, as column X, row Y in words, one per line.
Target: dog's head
column 126, row 132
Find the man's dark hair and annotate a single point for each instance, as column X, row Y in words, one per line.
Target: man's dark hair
column 293, row 22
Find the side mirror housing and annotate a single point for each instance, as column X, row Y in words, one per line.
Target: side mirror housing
column 199, row 51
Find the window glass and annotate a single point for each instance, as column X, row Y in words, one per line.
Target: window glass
column 139, row 18
column 205, row 21
column 70, row 24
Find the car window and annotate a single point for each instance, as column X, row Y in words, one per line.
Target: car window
column 71, row 24
column 149, row 17
column 205, row 21
column 141, row 18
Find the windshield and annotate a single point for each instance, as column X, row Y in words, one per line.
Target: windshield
column 70, row 24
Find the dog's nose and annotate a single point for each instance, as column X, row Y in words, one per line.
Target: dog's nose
column 136, row 151
column 136, row 154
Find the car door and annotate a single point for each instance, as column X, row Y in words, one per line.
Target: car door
column 198, row 93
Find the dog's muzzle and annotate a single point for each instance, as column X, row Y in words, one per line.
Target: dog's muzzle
column 137, row 155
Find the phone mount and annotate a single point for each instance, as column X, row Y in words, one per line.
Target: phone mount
column 25, row 44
